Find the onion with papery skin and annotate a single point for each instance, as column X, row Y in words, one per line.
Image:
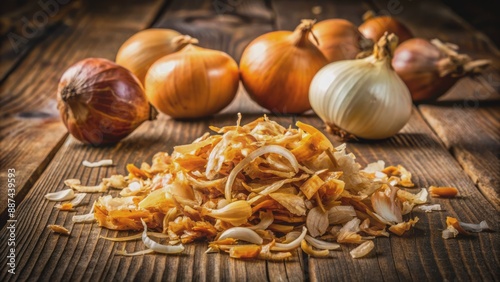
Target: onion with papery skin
column 101, row 102
column 374, row 27
column 277, row 68
column 194, row 82
column 430, row 68
column 144, row 48
column 362, row 98
column 339, row 39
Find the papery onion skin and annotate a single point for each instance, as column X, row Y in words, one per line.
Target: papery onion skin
column 142, row 49
column 338, row 39
column 192, row 83
column 101, row 102
column 375, row 27
column 277, row 68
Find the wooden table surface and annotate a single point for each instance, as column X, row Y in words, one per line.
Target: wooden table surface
column 454, row 142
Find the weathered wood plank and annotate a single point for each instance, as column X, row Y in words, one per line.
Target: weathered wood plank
column 220, row 25
column 30, row 129
column 420, row 255
column 22, row 25
column 289, row 13
column 471, row 134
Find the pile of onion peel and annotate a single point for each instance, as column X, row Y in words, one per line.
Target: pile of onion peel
column 259, row 215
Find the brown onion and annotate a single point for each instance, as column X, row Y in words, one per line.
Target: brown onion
column 374, row 27
column 193, row 82
column 277, row 68
column 430, row 68
column 340, row 39
column 101, row 102
column 142, row 49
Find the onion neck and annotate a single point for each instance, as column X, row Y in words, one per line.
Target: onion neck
column 181, row 41
column 384, row 49
column 190, row 48
column 71, row 97
column 455, row 64
column 300, row 36
column 68, row 93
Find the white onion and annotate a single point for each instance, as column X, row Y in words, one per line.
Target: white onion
column 363, row 97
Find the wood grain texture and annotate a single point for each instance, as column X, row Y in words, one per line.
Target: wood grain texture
column 30, row 129
column 220, row 25
column 289, row 13
column 472, row 135
column 23, row 25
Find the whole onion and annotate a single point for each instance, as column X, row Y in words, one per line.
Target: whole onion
column 430, row 68
column 194, row 82
column 339, row 39
column 140, row 51
column 374, row 27
column 362, row 98
column 277, row 68
column 101, row 102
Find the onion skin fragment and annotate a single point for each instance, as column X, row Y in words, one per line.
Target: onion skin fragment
column 62, row 195
column 363, row 249
column 252, row 156
column 58, row 229
column 159, row 248
column 443, row 192
column 241, row 233
column 245, row 251
column 314, row 253
column 292, row 245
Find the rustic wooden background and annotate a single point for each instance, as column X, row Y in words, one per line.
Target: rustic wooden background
column 454, row 141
